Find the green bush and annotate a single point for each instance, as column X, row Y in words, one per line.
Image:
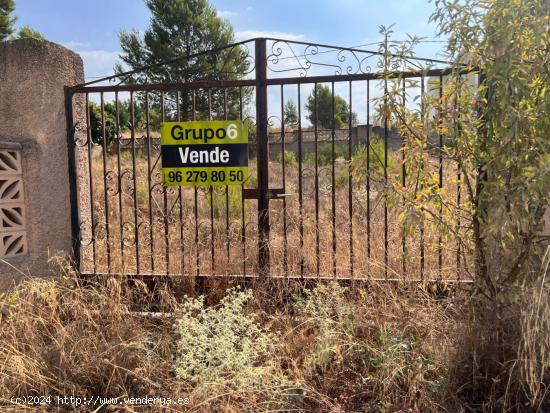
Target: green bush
column 328, row 309
column 290, row 159
column 219, row 201
column 324, row 154
column 375, row 152
column 222, row 348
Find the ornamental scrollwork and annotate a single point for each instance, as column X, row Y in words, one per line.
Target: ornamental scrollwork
column 315, row 59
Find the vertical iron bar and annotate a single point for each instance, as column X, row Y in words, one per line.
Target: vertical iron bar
column 195, row 194
column 333, row 182
column 243, row 217
column 386, row 68
column 91, row 180
column 368, row 174
column 385, row 176
column 283, row 161
column 403, row 183
column 226, row 194
column 119, row 170
column 105, row 195
column 350, row 180
column 196, row 212
column 439, row 240
column 458, row 181
column 73, row 181
column 422, row 222
column 300, row 188
column 165, row 200
column 263, row 157
column 179, row 95
column 211, row 189
column 317, row 257
column 133, row 135
column 149, row 173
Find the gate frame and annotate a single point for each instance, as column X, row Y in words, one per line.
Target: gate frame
column 261, row 82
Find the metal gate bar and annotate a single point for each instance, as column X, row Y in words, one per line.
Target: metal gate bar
column 124, row 217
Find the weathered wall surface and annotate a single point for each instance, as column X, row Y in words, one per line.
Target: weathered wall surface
column 33, row 74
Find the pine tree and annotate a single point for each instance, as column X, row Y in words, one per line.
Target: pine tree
column 6, row 21
column 319, row 106
column 290, row 113
column 179, row 28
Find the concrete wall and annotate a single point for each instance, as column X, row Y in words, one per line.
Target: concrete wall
column 33, row 74
column 358, row 137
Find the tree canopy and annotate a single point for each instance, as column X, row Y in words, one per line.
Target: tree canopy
column 28, row 32
column 320, row 107
column 496, row 120
column 290, row 115
column 181, row 28
column 6, row 19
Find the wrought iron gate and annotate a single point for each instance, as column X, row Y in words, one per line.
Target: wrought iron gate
column 314, row 205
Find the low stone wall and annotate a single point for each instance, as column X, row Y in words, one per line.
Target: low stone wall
column 324, row 137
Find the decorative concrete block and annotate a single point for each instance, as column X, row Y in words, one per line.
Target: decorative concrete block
column 35, row 219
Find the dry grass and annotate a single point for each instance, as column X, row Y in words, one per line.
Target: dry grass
column 219, row 219
column 364, row 347
column 360, row 348
column 62, row 338
column 367, row 347
column 503, row 363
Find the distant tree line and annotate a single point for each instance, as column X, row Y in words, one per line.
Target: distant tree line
column 323, row 110
column 125, row 120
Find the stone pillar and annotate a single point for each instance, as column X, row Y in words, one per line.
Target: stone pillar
column 35, row 207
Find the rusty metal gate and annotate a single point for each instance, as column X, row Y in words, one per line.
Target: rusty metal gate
column 314, row 204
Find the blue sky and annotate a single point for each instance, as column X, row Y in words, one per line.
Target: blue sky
column 91, row 27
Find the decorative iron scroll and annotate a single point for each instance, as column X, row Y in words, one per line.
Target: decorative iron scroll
column 237, row 61
column 13, row 235
column 312, row 59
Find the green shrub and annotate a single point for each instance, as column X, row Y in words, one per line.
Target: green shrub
column 142, row 194
column 342, row 178
column 324, row 154
column 376, row 159
column 222, row 348
column 332, row 314
column 309, row 158
column 220, row 203
column 290, row 159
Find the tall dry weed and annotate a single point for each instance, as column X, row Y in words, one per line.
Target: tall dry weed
column 63, row 338
column 503, row 357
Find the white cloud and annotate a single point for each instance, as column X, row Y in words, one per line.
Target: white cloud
column 251, row 34
column 225, row 14
column 98, row 63
column 76, row 45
